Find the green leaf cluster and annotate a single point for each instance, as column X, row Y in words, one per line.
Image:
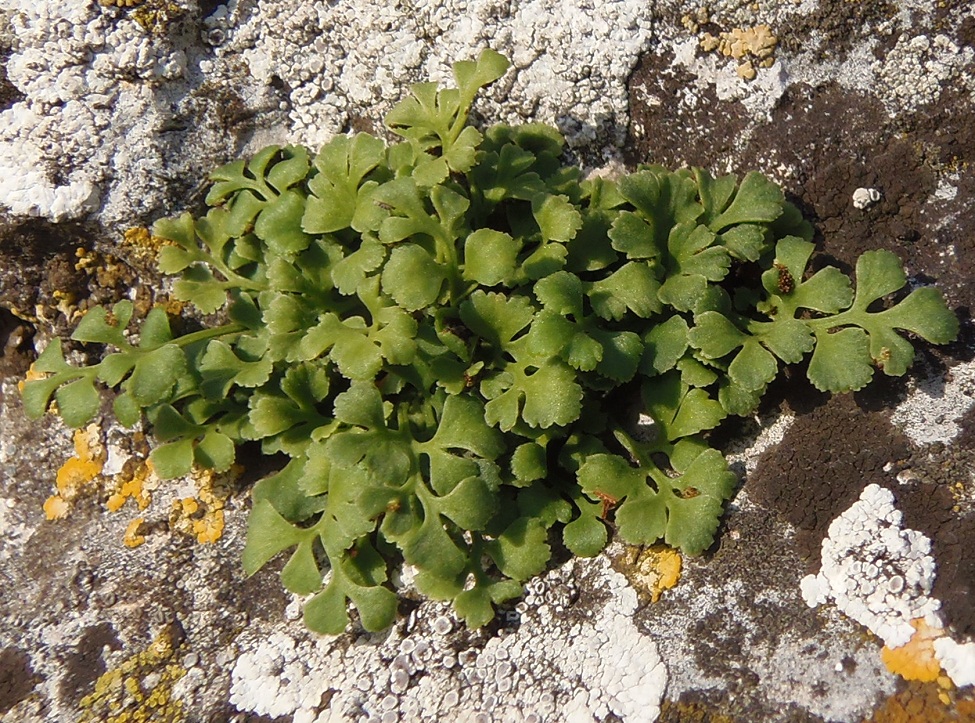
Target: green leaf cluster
column 451, row 337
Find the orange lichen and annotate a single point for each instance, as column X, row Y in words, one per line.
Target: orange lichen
column 115, row 502
column 132, row 485
column 651, row 570
column 55, row 508
column 87, row 463
column 210, row 527
column 915, row 660
column 133, row 537
column 76, row 473
column 926, row 703
column 202, row 516
column 139, row 242
column 31, row 375
column 84, row 474
column 752, row 46
column 757, row 41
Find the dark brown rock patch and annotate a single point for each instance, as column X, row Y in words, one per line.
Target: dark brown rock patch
column 16, row 678
column 674, row 123
column 823, row 464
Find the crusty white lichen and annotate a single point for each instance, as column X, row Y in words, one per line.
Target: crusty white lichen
column 554, row 659
column 338, row 60
column 917, row 68
column 108, row 122
column 745, row 622
column 87, row 77
column 875, row 570
column 957, row 659
column 935, row 405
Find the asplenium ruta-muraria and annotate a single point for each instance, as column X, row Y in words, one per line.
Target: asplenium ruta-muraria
column 450, row 338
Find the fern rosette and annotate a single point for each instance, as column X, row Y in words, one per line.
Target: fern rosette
column 448, row 339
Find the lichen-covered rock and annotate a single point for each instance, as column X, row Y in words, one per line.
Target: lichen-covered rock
column 561, row 654
column 877, row 572
column 113, row 113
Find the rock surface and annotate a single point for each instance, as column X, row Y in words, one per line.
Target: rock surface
column 133, row 605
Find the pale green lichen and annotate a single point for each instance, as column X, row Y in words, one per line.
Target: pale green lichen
column 140, row 689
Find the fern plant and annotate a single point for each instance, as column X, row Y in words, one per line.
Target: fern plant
column 449, row 337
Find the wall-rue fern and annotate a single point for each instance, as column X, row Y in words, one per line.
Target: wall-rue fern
column 446, row 337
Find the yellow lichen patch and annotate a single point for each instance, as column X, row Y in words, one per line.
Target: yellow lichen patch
column 915, row 660
column 155, row 16
column 133, row 536
column 120, row 3
column 709, row 42
column 173, row 307
column 139, row 242
column 202, row 516
column 87, row 260
column 22, row 314
column 55, row 508
column 946, row 695
column 108, row 271
column 746, row 71
column 133, row 483
column 757, row 42
column 137, row 236
column 964, row 496
column 67, row 304
column 693, row 21
column 651, row 570
column 752, row 47
column 691, row 712
column 925, row 703
column 31, row 375
column 140, row 689
column 75, row 474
